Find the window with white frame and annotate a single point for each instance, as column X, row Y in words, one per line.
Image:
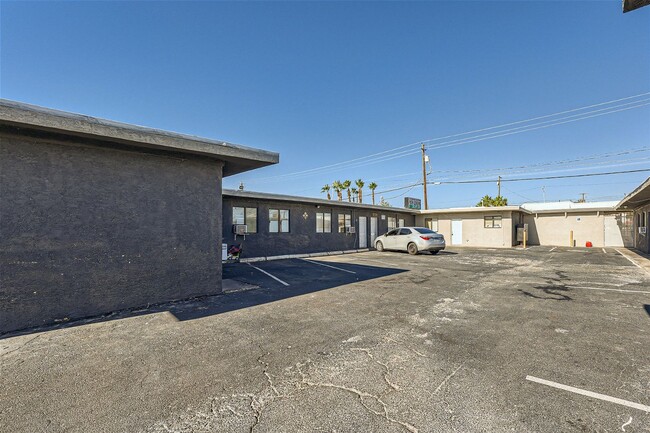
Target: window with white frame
column 278, row 221
column 345, row 222
column 245, row 215
column 323, row 222
column 492, row 222
column 431, row 224
column 392, row 223
column 400, row 223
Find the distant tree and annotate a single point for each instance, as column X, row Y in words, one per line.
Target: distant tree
column 327, row 189
column 346, row 186
column 338, row 187
column 360, row 183
column 372, row 186
column 488, row 201
column 383, row 202
column 355, row 194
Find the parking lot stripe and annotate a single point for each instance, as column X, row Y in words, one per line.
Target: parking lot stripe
column 630, row 260
column 552, row 249
column 272, row 276
column 604, row 251
column 589, row 393
column 328, row 266
column 610, row 290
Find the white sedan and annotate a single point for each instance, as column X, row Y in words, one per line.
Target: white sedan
column 411, row 239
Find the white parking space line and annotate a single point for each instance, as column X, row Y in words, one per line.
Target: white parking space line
column 610, row 290
column 631, row 261
column 272, row 276
column 604, row 251
column 590, row 394
column 552, row 249
column 328, row 266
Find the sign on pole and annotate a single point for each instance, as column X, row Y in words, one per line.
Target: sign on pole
column 412, row 203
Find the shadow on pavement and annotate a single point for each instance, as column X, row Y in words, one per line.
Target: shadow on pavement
column 647, row 308
column 302, row 276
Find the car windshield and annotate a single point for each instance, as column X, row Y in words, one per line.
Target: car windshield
column 424, row 231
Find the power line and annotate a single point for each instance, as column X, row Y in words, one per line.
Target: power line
column 361, row 161
column 541, row 178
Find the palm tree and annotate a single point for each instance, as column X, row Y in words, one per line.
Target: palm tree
column 346, row 185
column 360, row 183
column 338, row 187
column 355, row 194
column 372, row 187
column 326, row 189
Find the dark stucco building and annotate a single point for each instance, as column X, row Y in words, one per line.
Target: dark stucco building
column 97, row 216
column 638, row 201
column 278, row 225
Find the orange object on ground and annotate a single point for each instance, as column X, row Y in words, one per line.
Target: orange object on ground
column 589, row 244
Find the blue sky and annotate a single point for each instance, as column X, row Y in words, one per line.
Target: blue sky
column 323, row 83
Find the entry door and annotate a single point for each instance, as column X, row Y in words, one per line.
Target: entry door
column 363, row 233
column 373, row 230
column 456, row 232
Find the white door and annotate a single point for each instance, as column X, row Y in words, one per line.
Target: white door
column 363, row 233
column 457, row 232
column 373, row 230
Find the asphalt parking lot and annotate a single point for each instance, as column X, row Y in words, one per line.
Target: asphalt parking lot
column 536, row 340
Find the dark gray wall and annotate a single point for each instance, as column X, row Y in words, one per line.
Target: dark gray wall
column 302, row 237
column 642, row 241
column 86, row 229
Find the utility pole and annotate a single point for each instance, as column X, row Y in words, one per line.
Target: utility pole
column 424, row 178
column 499, row 186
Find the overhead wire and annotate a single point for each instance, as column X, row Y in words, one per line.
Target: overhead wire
column 368, row 159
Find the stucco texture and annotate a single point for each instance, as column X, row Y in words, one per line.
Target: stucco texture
column 87, row 229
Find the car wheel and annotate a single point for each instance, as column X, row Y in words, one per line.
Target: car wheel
column 412, row 248
column 379, row 246
column 435, row 252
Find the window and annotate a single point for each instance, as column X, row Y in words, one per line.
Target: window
column 431, row 224
column 345, row 222
column 392, row 232
column 400, row 222
column 323, row 222
column 278, row 220
column 403, row 232
column 492, row 222
column 248, row 216
column 392, row 223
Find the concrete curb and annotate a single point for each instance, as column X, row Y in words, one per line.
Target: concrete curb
column 302, row 256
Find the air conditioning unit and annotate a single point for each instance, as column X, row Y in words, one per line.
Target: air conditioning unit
column 351, row 230
column 240, row 229
column 642, row 230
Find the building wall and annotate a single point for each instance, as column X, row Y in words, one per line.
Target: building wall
column 619, row 229
column 554, row 229
column 87, row 230
column 642, row 241
column 474, row 232
column 302, row 237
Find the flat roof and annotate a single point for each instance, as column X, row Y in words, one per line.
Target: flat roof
column 236, row 158
column 473, row 209
column 639, row 197
column 569, row 206
column 311, row 200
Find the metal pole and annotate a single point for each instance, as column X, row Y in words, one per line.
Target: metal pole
column 499, row 186
column 424, row 179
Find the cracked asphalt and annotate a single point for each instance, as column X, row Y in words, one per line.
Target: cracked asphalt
column 396, row 344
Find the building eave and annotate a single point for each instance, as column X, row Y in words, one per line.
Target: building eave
column 310, row 200
column 637, row 198
column 236, row 158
